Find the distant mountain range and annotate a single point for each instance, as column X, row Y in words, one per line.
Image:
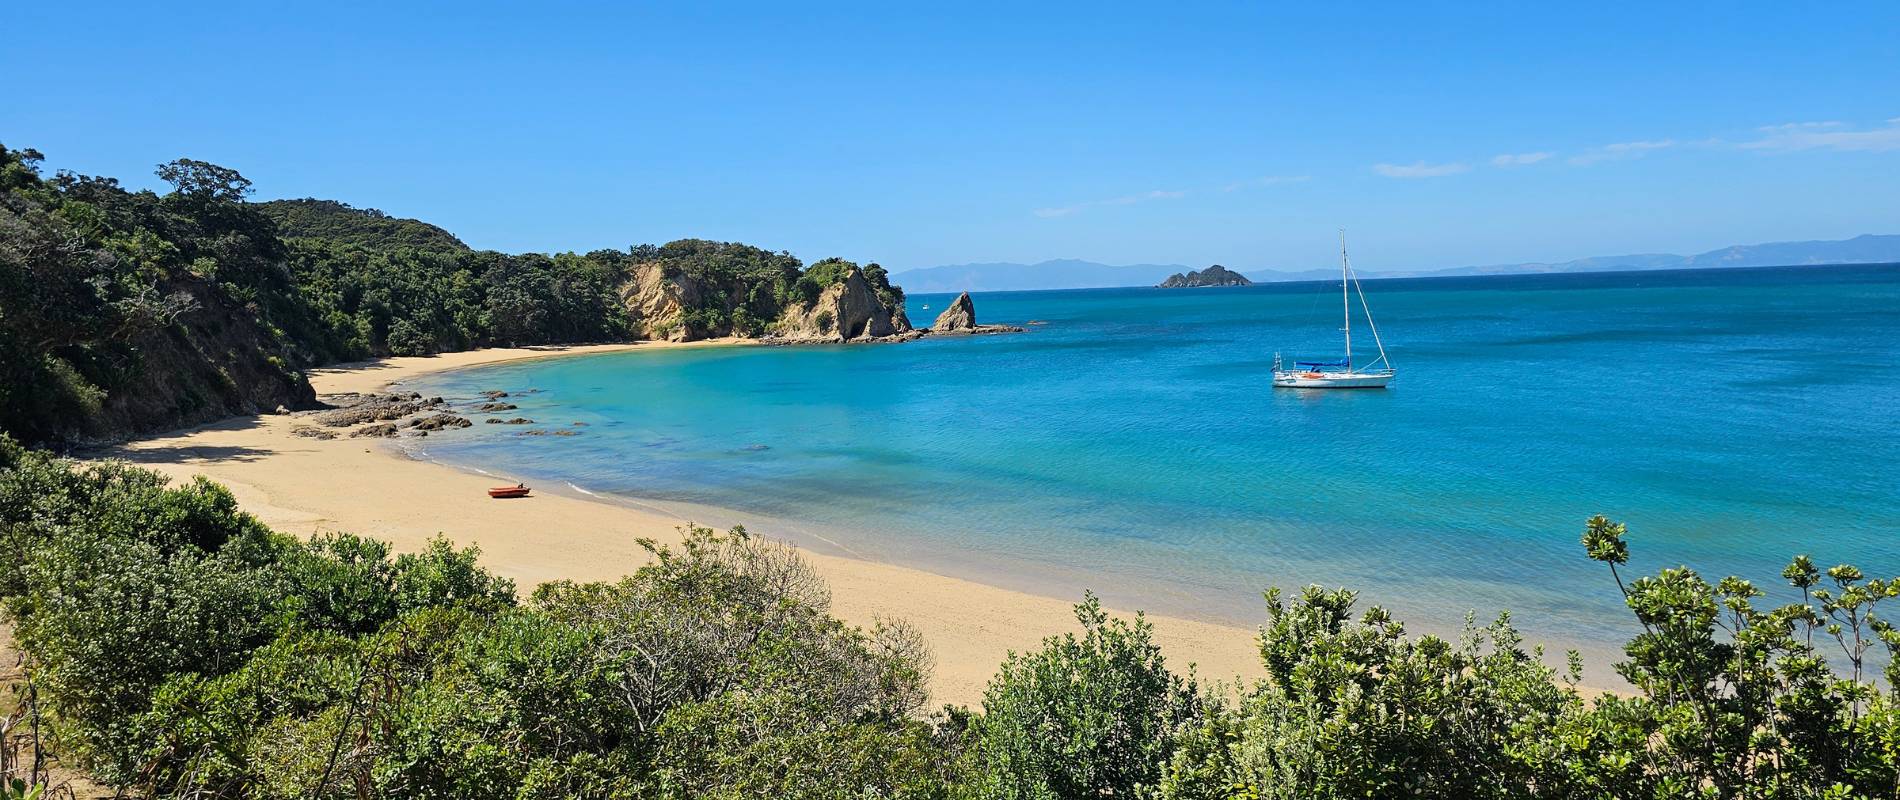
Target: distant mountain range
column 1074, row 274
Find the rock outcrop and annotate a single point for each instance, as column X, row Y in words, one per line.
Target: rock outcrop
column 1216, row 275
column 657, row 302
column 960, row 316
column 380, row 430
column 847, row 311
column 356, row 409
column 713, row 289
column 439, row 422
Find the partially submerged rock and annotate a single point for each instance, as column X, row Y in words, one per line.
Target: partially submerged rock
column 355, row 409
column 439, row 422
column 492, row 407
column 381, row 430
column 515, row 421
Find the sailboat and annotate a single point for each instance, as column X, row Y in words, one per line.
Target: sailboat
column 1340, row 374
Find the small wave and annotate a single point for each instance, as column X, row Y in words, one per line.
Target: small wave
column 833, row 542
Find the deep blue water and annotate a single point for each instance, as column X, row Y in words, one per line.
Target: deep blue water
column 1133, row 445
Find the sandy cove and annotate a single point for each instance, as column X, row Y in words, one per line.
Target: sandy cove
column 305, row 486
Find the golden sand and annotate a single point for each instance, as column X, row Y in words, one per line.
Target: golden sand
column 304, row 486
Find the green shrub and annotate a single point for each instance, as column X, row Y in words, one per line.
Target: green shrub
column 1089, row 716
column 1352, row 708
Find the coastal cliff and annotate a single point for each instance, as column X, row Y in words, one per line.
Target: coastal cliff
column 696, row 289
column 1216, row 275
column 128, row 312
column 846, row 311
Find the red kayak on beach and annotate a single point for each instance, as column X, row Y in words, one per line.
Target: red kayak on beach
column 517, row 490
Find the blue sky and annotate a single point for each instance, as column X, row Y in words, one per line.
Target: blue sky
column 1439, row 135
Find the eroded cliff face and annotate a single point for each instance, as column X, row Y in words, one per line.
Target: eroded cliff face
column 657, row 302
column 668, row 305
column 214, row 362
column 847, row 311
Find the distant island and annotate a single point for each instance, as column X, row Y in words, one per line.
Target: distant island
column 1216, row 275
column 1075, row 274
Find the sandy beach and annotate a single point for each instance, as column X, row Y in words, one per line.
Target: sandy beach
column 305, row 486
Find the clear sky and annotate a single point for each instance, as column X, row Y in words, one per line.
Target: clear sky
column 921, row 134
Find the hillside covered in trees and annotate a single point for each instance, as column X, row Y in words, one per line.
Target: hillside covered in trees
column 342, row 223
column 123, row 312
column 178, row 648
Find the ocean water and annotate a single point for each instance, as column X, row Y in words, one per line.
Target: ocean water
column 1133, row 446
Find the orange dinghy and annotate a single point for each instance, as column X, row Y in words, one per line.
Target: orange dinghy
column 517, row 490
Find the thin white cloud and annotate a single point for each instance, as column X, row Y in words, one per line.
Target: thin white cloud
column 1419, row 170
column 1784, row 138
column 1125, row 200
column 1793, row 127
column 1797, row 136
column 1268, row 180
column 1621, row 151
column 1519, row 159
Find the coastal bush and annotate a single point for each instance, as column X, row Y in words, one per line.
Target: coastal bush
column 1095, row 715
column 1353, row 708
column 1731, row 701
column 1738, row 701
column 183, row 649
column 179, row 648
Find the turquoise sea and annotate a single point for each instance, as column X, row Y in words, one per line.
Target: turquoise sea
column 1132, row 445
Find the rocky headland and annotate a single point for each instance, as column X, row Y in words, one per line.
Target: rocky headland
column 696, row 289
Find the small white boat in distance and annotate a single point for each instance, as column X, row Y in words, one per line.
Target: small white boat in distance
column 1340, row 374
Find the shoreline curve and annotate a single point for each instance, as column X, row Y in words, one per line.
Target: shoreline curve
column 304, row 486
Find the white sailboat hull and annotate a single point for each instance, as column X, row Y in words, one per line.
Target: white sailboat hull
column 1315, row 374
column 1332, row 380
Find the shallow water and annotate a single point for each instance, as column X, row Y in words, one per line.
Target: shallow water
column 1133, row 445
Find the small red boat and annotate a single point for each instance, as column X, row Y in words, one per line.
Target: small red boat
column 517, row 490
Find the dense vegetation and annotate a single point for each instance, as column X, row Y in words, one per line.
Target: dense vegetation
column 178, row 648
column 342, row 223
column 129, row 310
column 123, row 312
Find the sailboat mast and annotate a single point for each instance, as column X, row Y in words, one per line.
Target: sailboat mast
column 1345, row 299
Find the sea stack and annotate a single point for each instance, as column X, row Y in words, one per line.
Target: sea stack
column 960, row 316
